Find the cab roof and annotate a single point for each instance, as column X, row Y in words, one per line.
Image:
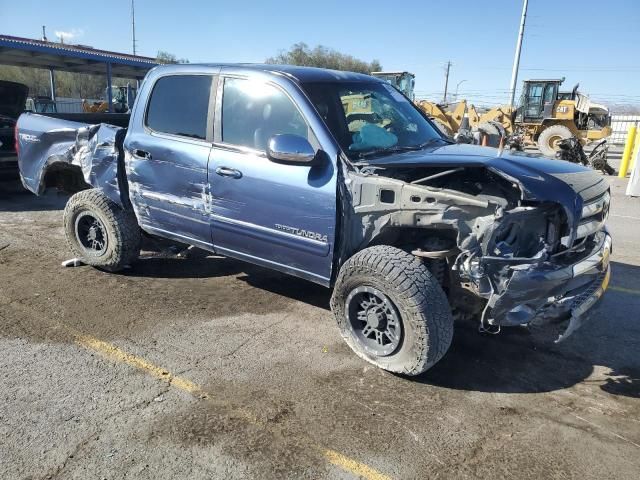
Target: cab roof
column 301, row 74
column 545, row 80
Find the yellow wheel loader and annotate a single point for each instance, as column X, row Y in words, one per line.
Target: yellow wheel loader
column 449, row 121
column 546, row 116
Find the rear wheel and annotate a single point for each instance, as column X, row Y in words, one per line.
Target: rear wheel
column 391, row 311
column 550, row 137
column 99, row 232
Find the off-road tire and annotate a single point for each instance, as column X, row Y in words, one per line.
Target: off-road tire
column 546, row 138
column 427, row 324
column 120, row 228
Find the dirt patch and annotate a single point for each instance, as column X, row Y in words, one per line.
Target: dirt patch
column 255, row 427
column 155, row 292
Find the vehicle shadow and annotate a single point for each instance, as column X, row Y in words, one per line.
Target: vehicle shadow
column 165, row 263
column 520, row 360
column 162, row 260
column 196, row 266
column 288, row 286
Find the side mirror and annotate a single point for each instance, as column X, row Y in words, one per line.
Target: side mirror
column 292, row 149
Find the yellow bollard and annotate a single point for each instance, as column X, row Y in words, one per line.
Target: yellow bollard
column 628, row 148
column 636, row 149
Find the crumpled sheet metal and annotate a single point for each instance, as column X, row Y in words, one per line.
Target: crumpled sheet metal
column 92, row 148
column 97, row 155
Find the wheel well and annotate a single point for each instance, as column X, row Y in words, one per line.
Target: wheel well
column 407, row 237
column 64, row 177
column 428, row 239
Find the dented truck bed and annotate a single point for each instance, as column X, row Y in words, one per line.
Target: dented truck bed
column 50, row 145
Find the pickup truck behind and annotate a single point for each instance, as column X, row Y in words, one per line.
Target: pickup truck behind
column 339, row 179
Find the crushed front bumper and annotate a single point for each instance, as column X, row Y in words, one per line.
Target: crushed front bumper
column 551, row 293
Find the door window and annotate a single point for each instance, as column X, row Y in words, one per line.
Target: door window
column 253, row 112
column 179, row 105
column 534, row 103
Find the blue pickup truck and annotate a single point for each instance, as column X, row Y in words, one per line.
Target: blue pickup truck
column 339, row 179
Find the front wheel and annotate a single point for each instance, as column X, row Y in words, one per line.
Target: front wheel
column 550, row 138
column 391, row 311
column 99, row 232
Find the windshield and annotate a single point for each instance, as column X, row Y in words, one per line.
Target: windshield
column 370, row 118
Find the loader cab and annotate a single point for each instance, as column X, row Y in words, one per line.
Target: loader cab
column 538, row 99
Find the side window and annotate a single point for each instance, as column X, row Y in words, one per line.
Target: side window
column 179, row 105
column 252, row 112
column 549, row 93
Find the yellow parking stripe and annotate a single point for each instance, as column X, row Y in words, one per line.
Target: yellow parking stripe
column 349, row 465
column 625, row 290
column 112, row 352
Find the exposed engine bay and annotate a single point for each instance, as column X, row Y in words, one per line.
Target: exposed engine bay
column 473, row 228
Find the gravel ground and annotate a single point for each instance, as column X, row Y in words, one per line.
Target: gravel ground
column 207, row 367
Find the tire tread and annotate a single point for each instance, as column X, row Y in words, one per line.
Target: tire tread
column 422, row 298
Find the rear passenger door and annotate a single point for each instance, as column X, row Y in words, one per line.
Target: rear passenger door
column 281, row 216
column 167, row 154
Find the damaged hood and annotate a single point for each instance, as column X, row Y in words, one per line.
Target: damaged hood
column 539, row 178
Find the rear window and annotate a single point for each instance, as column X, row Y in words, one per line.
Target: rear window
column 179, row 105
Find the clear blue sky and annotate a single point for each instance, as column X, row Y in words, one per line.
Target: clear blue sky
column 594, row 42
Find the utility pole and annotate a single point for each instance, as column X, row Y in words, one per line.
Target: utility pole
column 516, row 60
column 446, row 81
column 133, row 26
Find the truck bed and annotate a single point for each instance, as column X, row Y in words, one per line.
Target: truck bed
column 69, row 148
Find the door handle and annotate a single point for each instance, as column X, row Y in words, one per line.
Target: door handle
column 228, row 172
column 143, row 154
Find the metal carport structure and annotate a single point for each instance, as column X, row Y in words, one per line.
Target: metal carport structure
column 27, row 52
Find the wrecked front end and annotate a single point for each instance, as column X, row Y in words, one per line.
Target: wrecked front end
column 506, row 250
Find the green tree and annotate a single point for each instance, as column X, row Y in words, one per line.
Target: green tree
column 166, row 57
column 68, row 84
column 323, row 57
column 35, row 78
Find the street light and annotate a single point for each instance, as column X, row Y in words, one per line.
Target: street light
column 458, row 85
